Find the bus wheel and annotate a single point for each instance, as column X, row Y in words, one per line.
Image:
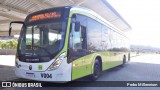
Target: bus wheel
column 96, row 71
column 124, row 60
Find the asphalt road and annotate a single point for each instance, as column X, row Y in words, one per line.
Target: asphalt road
column 140, row 68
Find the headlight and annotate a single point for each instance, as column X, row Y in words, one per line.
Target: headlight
column 57, row 62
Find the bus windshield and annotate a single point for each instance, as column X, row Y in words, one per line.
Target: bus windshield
column 40, row 42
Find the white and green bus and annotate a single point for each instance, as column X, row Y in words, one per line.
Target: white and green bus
column 67, row 43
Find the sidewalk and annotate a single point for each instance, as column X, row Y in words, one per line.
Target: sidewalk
column 7, row 60
column 7, row 68
column 7, row 73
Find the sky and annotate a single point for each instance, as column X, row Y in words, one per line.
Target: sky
column 144, row 18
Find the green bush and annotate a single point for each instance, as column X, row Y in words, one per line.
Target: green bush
column 3, row 45
column 10, row 44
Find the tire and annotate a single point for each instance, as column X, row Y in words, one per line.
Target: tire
column 96, row 71
column 124, row 60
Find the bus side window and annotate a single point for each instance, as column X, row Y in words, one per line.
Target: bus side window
column 83, row 37
column 74, row 43
column 77, row 40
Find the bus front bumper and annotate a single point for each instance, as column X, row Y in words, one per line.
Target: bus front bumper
column 50, row 76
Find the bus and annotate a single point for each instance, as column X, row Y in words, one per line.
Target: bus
column 68, row 43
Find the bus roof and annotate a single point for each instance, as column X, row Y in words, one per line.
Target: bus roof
column 97, row 17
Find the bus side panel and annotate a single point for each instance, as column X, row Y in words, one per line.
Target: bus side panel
column 82, row 67
column 112, row 59
column 109, row 60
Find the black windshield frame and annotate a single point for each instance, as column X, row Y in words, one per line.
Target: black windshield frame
column 51, row 55
column 63, row 19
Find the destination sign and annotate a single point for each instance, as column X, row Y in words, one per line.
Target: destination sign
column 43, row 16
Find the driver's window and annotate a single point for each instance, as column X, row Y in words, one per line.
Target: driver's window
column 36, row 36
column 28, row 41
column 29, row 36
column 77, row 40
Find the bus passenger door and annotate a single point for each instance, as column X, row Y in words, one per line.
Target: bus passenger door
column 86, row 60
column 76, row 52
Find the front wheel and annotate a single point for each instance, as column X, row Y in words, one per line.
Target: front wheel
column 96, row 71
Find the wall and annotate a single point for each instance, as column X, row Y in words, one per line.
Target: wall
column 7, row 51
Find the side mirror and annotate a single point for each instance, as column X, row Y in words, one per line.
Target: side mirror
column 77, row 26
column 10, row 27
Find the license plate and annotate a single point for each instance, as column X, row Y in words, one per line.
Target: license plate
column 31, row 75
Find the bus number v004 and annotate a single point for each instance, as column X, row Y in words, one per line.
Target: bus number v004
column 46, row 75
